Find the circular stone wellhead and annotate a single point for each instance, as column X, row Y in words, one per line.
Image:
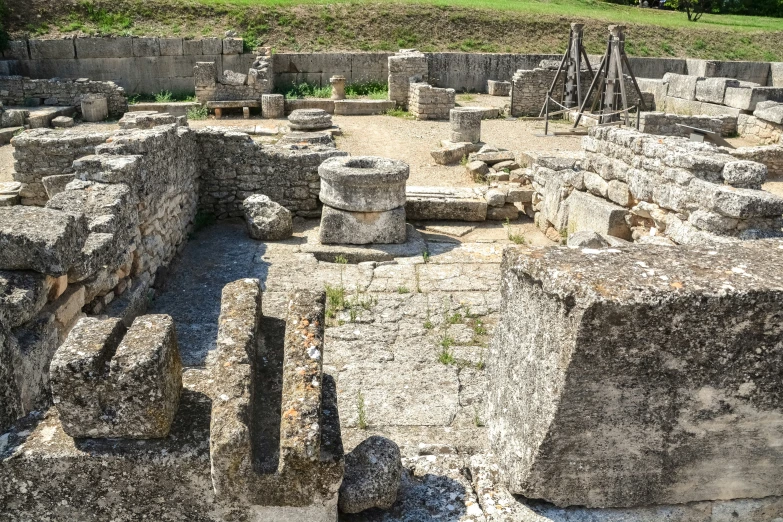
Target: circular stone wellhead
column 309, row 120
column 363, row 183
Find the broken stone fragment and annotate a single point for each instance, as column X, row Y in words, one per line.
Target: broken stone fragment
column 266, row 219
column 450, row 154
column 107, row 385
column 233, row 78
column 372, row 476
column 586, row 239
column 477, row 169
column 40, row 239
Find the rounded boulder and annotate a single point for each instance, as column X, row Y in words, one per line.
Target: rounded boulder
column 267, row 220
column 372, row 476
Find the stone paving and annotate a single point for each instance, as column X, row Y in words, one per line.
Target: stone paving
column 407, row 338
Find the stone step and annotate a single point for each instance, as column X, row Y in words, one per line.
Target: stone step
column 8, row 133
column 362, row 107
column 435, row 203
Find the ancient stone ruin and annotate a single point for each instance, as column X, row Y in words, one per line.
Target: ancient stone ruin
column 325, row 308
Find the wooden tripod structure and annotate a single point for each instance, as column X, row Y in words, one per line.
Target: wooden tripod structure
column 612, row 99
column 571, row 66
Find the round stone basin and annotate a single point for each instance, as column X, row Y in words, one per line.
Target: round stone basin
column 363, row 183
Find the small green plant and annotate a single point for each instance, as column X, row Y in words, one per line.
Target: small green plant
column 476, row 419
column 370, row 89
column 304, row 90
column 403, row 290
column 399, row 113
column 341, row 260
column 428, row 325
column 464, row 161
column 446, row 356
column 478, row 327
column 198, row 113
column 564, row 235
column 425, row 254
column 454, row 318
column 335, row 300
column 481, row 364
column 466, row 97
column 362, row 413
column 163, row 97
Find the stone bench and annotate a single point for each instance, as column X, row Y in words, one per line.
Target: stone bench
column 245, row 105
column 287, row 462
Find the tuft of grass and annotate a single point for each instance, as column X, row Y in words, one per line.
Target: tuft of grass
column 362, row 413
column 454, row 318
column 402, row 290
column 198, row 113
column 428, row 325
column 399, row 113
column 341, row 260
column 445, row 356
column 478, row 327
column 335, row 300
column 425, row 254
column 464, row 161
column 304, row 90
column 370, row 89
column 466, row 97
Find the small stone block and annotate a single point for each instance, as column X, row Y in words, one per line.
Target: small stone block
column 109, row 386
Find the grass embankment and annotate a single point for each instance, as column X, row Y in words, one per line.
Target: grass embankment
column 528, row 26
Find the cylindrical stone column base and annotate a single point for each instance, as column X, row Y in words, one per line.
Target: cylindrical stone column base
column 465, row 125
column 272, row 106
column 338, row 87
column 95, row 107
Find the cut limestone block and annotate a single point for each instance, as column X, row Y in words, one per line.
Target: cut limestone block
column 497, row 88
column 109, row 386
column 465, row 123
column 682, row 86
column 639, row 376
column 22, row 295
column 490, row 158
column 266, row 219
column 747, row 98
column 62, row 122
column 587, row 212
column 713, row 90
column 451, row 153
column 769, row 111
column 289, row 465
column 434, row 203
column 507, row 211
column 363, row 183
column 341, row 227
column 41, row 239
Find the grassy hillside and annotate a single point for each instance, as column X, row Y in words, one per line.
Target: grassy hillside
column 532, row 26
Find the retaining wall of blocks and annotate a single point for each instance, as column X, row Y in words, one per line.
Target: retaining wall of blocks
column 426, row 102
column 19, row 91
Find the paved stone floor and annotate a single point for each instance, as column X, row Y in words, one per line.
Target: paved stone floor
column 410, row 339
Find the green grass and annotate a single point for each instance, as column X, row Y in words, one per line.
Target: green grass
column 162, row 97
column 198, row 113
column 595, row 9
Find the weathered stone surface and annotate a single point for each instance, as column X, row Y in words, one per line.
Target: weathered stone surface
column 495, row 197
column 107, row 385
column 587, row 212
column 490, row 158
column 682, row 85
column 272, row 106
column 22, row 295
column 477, row 169
column 41, row 239
column 661, row 417
column 465, row 124
column 497, row 88
column 460, row 204
column 56, row 184
column 341, row 227
column 745, row 174
column 450, row 154
column 289, row 462
column 95, row 107
column 233, row 78
column 502, row 213
column 363, row 183
column 586, row 239
column 372, row 476
column 267, row 220
column 62, row 122
column 712, row 90
column 299, row 138
column 309, row 119
column 770, row 111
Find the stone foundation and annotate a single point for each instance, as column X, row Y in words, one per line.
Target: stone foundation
column 430, row 103
column 25, row 91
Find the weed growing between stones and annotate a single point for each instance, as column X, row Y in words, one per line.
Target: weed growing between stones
column 454, row 318
column 362, row 414
column 446, row 356
column 464, row 161
column 514, row 237
column 198, row 113
column 370, row 89
column 335, row 300
column 476, row 419
column 403, row 290
column 399, row 113
column 425, row 254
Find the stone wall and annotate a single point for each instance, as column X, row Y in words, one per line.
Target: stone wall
column 19, row 91
column 672, row 124
column 636, row 186
column 214, row 85
column 95, row 248
column 764, row 131
column 405, row 67
column 529, row 88
column 40, row 153
column 233, row 167
column 430, row 103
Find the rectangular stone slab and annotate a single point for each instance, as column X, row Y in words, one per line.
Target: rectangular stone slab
column 430, row 203
column 642, row 376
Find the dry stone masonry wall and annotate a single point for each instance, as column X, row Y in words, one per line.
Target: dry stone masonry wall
column 430, row 103
column 406, row 67
column 635, row 186
column 19, row 91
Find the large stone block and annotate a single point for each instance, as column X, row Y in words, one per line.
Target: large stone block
column 746, row 98
column 587, row 212
column 638, row 377
column 104, row 47
column 107, row 383
column 769, row 111
column 430, row 203
column 22, row 295
column 681, row 86
column 170, row 46
column 342, row 227
column 712, row 90
column 52, row 49
column 146, row 47
column 40, row 239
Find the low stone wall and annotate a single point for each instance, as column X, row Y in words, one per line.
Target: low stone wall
column 233, row 167
column 19, row 91
column 664, row 124
column 769, row 155
column 765, row 132
column 636, row 186
column 95, row 248
column 405, row 67
column 41, row 153
column 430, row 103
